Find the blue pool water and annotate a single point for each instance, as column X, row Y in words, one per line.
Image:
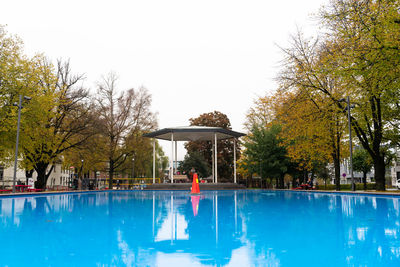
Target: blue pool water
column 217, row 228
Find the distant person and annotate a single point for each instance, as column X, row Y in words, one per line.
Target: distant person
column 75, row 183
column 118, row 184
column 191, row 173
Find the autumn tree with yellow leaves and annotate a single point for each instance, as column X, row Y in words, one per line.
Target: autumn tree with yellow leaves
column 15, row 72
column 314, row 127
column 55, row 119
column 60, row 118
column 358, row 56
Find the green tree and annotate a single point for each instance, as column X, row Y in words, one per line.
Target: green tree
column 142, row 153
column 265, row 153
column 87, row 158
column 161, row 160
column 195, row 160
column 225, row 147
column 362, row 163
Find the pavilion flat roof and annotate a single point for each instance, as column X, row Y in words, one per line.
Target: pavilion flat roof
column 193, row 133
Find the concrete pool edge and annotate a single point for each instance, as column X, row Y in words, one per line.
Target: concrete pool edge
column 33, row 194
column 356, row 193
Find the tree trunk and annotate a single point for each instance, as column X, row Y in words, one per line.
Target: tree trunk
column 281, row 182
column 42, row 177
column 365, row 180
column 379, row 175
column 250, row 181
column 303, row 179
column 111, row 175
column 336, row 163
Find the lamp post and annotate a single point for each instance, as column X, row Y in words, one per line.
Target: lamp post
column 348, row 107
column 261, row 180
column 19, row 105
column 82, row 174
column 133, row 167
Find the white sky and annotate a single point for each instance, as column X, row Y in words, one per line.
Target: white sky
column 193, row 56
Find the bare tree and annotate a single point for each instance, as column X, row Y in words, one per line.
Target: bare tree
column 121, row 115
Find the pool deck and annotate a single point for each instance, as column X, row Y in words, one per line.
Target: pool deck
column 177, row 186
column 358, row 192
column 187, row 186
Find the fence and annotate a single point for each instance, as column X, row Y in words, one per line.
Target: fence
column 132, row 182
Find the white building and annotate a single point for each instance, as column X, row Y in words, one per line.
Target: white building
column 59, row 177
column 395, row 169
column 345, row 175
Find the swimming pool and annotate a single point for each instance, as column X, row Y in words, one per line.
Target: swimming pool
column 217, row 228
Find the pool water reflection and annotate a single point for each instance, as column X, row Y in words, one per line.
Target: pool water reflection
column 216, row 228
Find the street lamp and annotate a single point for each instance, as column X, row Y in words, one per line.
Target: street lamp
column 19, row 105
column 348, row 107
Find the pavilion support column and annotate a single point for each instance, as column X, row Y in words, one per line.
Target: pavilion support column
column 176, row 156
column 216, row 158
column 212, row 156
column 171, row 169
column 154, row 160
column 234, row 160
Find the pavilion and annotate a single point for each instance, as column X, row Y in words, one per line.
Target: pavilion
column 194, row 133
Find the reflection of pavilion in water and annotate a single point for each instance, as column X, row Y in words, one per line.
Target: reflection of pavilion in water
column 199, row 232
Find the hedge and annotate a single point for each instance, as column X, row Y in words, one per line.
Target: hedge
column 347, row 187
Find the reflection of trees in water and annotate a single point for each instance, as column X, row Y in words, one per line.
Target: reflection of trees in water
column 349, row 230
column 369, row 228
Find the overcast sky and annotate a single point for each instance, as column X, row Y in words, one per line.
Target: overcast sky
column 193, row 56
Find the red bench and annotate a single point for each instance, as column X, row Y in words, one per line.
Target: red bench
column 304, row 187
column 34, row 190
column 5, row 190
